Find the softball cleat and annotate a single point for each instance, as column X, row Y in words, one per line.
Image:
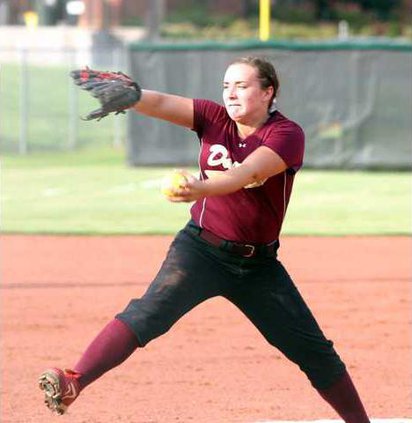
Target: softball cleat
column 60, row 388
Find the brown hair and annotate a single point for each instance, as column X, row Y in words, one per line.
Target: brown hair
column 266, row 72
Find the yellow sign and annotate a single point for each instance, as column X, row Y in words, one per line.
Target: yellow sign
column 31, row 19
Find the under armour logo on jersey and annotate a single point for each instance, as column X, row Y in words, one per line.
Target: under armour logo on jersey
column 242, row 145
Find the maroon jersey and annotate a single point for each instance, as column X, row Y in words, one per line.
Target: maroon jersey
column 253, row 214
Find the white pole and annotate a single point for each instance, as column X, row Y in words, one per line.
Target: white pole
column 73, row 108
column 118, row 120
column 24, row 102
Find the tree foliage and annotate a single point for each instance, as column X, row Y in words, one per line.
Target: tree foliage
column 382, row 9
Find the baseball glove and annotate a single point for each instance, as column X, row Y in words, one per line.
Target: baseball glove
column 115, row 91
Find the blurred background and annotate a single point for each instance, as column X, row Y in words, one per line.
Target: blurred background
column 345, row 69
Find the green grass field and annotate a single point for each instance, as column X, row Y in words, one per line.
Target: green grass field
column 95, row 192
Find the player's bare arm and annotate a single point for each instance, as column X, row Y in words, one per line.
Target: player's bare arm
column 257, row 167
column 117, row 92
column 173, row 108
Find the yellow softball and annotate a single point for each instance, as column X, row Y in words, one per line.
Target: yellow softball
column 174, row 181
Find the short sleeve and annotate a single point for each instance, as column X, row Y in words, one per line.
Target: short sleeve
column 205, row 113
column 288, row 141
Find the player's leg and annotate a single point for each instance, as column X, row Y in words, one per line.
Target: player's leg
column 272, row 302
column 187, row 277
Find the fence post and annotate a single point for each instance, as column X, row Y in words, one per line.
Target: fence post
column 73, row 106
column 118, row 119
column 24, row 102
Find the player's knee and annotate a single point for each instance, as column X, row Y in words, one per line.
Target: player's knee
column 323, row 372
column 145, row 320
column 322, row 365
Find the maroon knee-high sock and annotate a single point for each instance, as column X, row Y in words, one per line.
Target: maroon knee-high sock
column 114, row 344
column 344, row 398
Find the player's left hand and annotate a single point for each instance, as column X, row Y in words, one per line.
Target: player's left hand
column 191, row 190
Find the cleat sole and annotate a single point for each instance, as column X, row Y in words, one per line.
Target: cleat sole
column 49, row 384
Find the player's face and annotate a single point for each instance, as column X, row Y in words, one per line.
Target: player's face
column 245, row 101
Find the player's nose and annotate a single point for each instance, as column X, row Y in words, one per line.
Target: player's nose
column 232, row 92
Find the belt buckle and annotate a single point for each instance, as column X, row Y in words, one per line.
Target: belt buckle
column 252, row 250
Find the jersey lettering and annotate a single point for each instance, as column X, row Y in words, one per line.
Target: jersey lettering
column 220, row 156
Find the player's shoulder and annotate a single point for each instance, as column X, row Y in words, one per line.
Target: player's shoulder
column 283, row 123
column 280, row 119
column 202, row 104
column 209, row 112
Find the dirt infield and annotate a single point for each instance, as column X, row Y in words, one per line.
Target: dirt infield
column 213, row 367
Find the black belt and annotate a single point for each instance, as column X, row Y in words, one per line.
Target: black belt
column 244, row 250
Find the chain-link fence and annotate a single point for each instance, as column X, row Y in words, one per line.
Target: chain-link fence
column 353, row 100
column 40, row 107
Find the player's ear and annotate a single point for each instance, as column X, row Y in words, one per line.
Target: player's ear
column 269, row 92
column 267, row 95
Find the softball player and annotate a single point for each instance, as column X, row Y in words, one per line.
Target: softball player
column 249, row 155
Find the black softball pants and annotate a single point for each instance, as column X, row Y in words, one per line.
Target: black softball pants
column 260, row 287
